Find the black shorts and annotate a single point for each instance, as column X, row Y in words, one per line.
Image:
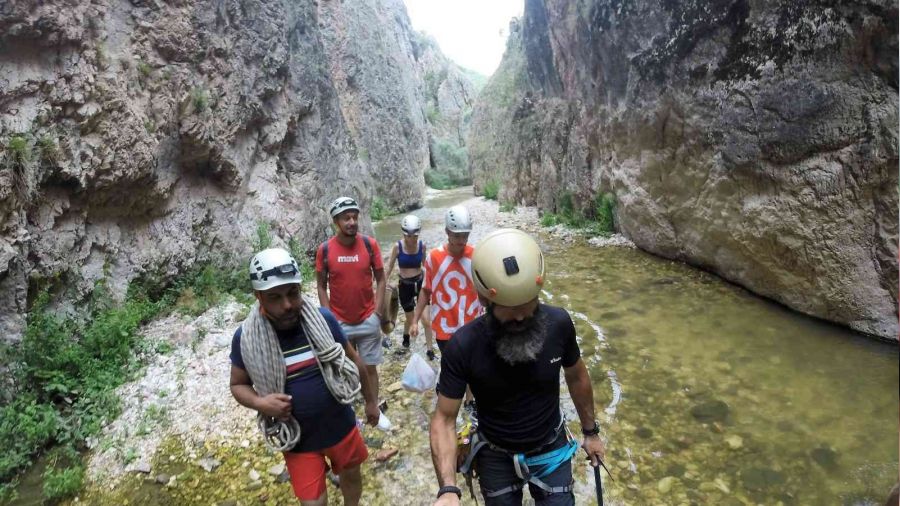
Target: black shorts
column 408, row 289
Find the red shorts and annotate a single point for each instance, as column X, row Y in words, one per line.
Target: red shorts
column 308, row 469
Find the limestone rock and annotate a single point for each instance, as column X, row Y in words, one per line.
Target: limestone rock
column 161, row 133
column 751, row 140
column 734, row 442
column 209, row 464
column 665, row 485
column 710, row 411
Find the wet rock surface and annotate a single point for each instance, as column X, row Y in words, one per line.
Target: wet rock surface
column 754, row 140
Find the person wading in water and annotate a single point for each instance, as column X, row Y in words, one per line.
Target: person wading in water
column 409, row 253
column 511, row 358
column 346, row 264
column 448, row 285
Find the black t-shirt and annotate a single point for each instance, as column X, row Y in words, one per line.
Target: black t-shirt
column 518, row 406
column 323, row 420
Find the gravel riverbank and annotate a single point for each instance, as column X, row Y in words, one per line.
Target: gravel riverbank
column 184, row 396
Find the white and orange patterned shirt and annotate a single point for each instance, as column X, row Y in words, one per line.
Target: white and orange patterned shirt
column 454, row 301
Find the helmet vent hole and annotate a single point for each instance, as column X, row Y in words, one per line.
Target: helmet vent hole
column 480, row 280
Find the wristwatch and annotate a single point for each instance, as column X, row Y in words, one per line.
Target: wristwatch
column 449, row 488
column 592, row 432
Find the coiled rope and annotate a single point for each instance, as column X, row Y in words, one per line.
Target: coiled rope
column 264, row 362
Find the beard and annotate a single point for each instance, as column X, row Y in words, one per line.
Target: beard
column 519, row 342
column 287, row 321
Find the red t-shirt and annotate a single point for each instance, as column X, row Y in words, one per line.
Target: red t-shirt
column 454, row 301
column 350, row 275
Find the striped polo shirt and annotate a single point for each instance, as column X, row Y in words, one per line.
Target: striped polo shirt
column 323, row 420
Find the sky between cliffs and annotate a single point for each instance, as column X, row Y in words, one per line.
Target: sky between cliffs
column 470, row 32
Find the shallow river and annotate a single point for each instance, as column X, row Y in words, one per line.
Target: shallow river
column 706, row 394
column 709, row 394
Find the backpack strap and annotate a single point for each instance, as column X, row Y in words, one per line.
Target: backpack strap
column 369, row 249
column 368, row 244
column 325, row 258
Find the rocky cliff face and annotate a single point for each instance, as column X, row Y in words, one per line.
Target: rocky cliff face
column 142, row 137
column 757, row 140
column 449, row 98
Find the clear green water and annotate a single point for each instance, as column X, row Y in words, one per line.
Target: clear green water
column 815, row 405
column 811, row 408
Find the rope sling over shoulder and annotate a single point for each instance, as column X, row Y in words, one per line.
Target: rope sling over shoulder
column 264, row 363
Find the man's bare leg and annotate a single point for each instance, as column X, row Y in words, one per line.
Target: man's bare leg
column 372, row 371
column 351, row 485
column 321, row 501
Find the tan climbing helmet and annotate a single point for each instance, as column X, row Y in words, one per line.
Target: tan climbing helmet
column 508, row 267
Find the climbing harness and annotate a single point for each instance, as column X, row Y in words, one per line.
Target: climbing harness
column 264, row 361
column 529, row 468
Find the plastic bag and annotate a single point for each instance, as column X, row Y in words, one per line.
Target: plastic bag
column 418, row 375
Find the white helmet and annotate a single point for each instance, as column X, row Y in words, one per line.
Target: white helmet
column 273, row 267
column 508, row 267
column 457, row 219
column 410, row 224
column 342, row 204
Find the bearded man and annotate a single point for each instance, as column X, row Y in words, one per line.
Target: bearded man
column 511, row 358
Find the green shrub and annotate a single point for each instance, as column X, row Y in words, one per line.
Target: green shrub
column 144, row 68
column 380, row 209
column 507, row 207
column 601, row 218
column 448, row 156
column 62, row 483
column 549, row 219
column 7, row 492
column 263, row 236
column 605, row 209
column 491, row 189
column 432, row 113
column 66, row 369
column 47, row 149
column 26, row 427
column 307, row 266
column 19, row 152
column 437, row 180
column 568, row 214
column 66, row 372
column 200, row 99
column 206, row 286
